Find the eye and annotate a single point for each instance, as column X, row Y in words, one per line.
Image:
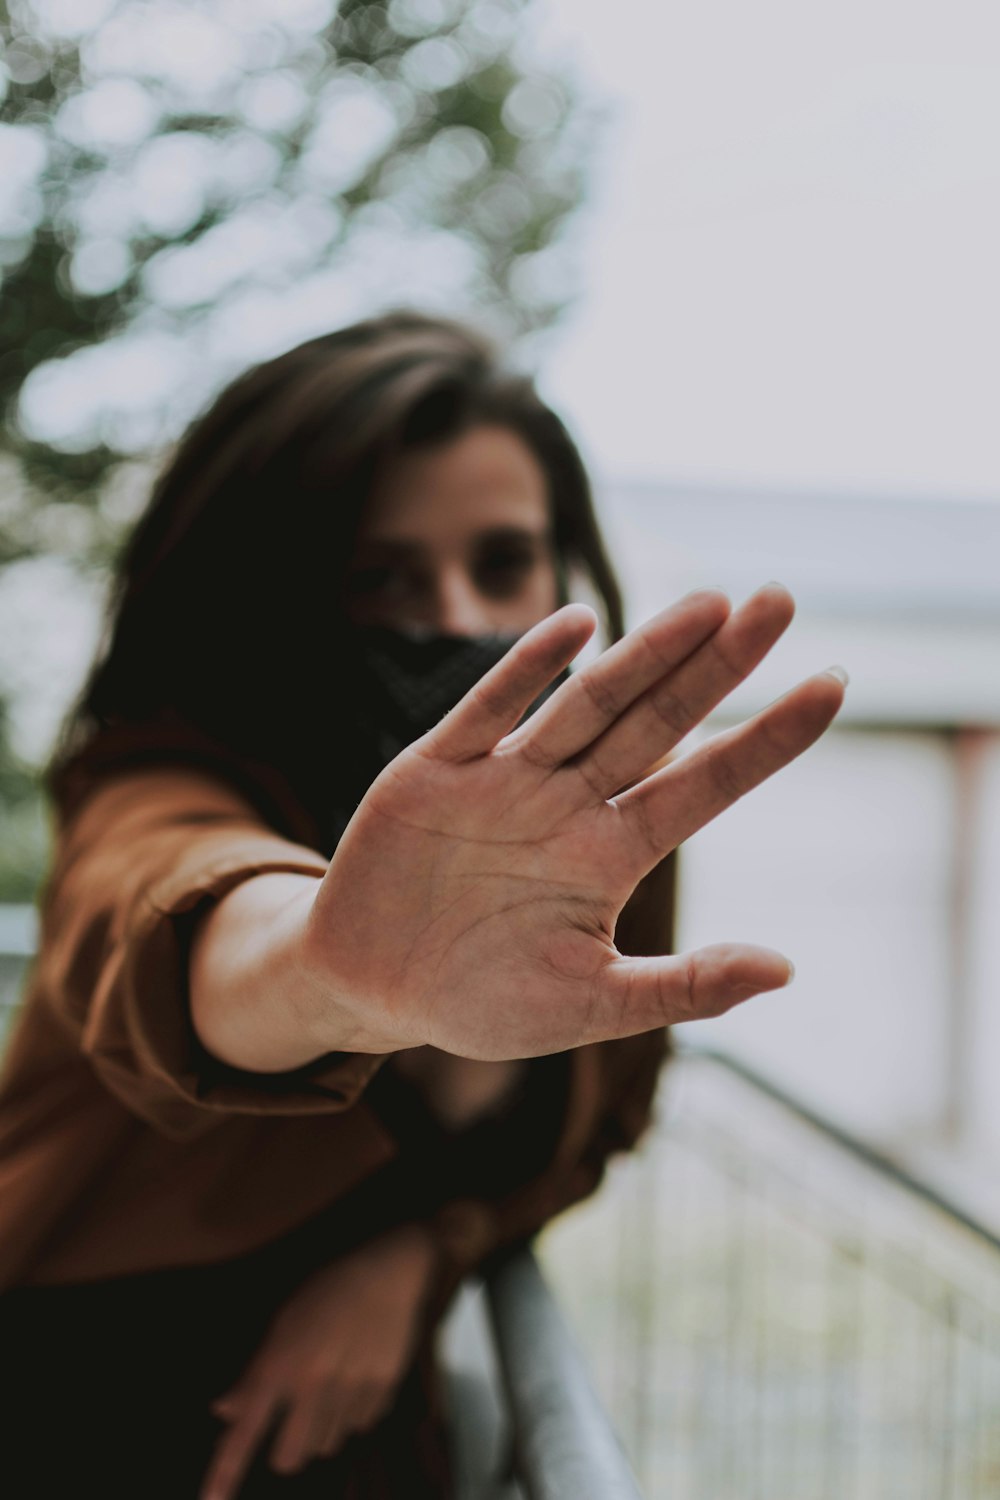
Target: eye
column 502, row 569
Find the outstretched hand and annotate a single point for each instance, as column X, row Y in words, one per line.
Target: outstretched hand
column 472, row 901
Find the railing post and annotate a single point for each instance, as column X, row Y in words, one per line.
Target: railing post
column 565, row 1446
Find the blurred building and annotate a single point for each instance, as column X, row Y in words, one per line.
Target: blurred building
column 874, row 861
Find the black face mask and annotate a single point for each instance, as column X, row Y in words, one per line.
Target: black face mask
column 404, row 684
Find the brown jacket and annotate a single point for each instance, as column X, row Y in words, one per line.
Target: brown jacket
column 125, row 1147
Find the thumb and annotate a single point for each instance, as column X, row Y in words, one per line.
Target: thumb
column 639, row 994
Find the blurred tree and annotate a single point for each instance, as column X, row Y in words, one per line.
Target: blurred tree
column 188, row 186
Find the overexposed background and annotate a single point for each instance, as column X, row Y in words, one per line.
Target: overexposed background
column 784, row 364
column 790, row 249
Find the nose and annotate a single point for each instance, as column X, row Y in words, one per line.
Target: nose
column 458, row 607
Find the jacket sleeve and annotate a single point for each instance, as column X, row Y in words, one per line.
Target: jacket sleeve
column 620, row 1078
column 140, row 859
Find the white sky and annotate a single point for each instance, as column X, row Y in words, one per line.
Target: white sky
column 790, row 264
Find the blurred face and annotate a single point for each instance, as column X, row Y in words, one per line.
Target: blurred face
column 456, row 538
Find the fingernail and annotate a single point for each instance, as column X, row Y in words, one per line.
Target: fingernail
column 840, row 674
column 791, row 971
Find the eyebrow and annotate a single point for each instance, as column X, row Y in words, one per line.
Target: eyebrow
column 404, row 547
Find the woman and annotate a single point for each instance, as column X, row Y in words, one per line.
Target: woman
column 328, row 1007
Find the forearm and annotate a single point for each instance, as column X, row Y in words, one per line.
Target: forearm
column 257, row 1002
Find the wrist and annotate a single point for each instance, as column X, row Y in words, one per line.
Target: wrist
column 420, row 1247
column 328, row 1009
column 405, row 1261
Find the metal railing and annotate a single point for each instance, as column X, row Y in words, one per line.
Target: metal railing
column 563, row 1444
column 527, row 1423
column 774, row 1310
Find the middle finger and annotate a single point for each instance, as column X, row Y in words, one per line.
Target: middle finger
column 666, row 712
column 590, row 702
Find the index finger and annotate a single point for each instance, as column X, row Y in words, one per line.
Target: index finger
column 235, row 1450
column 500, row 700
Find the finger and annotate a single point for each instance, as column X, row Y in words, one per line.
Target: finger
column 369, row 1404
column 593, row 699
column 300, row 1435
column 665, row 809
column 496, row 704
column 236, row 1448
column 348, row 1414
column 666, row 712
column 637, row 994
column 334, row 1436
column 373, row 1405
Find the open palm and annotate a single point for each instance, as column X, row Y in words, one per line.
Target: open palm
column 472, row 902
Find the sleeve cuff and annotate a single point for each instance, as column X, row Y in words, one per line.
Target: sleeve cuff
column 139, row 1034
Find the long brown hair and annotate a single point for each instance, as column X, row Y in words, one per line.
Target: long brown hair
column 224, row 628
